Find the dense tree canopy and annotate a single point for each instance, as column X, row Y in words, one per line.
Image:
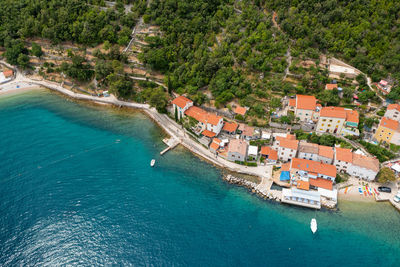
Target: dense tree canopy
column 363, row 32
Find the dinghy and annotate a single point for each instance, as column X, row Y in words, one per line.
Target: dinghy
column 152, row 162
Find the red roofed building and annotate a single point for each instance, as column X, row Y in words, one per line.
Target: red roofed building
column 8, row 73
column 313, row 169
column 338, row 120
column 322, row 183
column 215, row 145
column 180, row 105
column 305, row 107
column 240, row 110
column 343, row 158
column 207, row 121
column 269, row 154
column 230, row 127
column 286, row 146
column 331, row 86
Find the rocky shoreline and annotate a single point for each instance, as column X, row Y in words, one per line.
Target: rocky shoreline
column 249, row 185
column 253, row 188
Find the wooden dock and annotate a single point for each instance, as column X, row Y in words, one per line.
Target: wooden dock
column 171, row 143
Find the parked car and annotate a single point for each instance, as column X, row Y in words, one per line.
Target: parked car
column 384, row 189
column 397, row 198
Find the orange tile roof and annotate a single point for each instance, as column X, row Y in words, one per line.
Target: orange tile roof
column 393, row 106
column 320, row 182
column 216, row 140
column 285, row 167
column 292, row 102
column 208, row 133
column 248, row 131
column 181, row 101
column 352, row 115
column 331, row 86
column 213, row 119
column 214, row 146
column 268, row 151
column 303, row 185
column 326, row 151
column 366, row 162
column 291, row 136
column 202, row 115
column 240, row 110
column 238, row 146
column 288, row 143
column 313, row 166
column 344, row 154
column 308, row 102
column 196, row 113
column 333, row 112
column 230, row 127
column 8, row 73
column 390, row 124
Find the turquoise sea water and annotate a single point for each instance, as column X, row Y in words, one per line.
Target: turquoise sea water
column 71, row 194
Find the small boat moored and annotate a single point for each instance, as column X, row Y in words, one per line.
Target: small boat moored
column 152, row 162
column 313, row 225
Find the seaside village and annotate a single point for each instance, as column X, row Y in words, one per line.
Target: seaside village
column 305, row 171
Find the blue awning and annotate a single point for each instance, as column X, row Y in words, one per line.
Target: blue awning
column 285, row 176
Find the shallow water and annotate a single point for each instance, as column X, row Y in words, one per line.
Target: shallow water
column 70, row 193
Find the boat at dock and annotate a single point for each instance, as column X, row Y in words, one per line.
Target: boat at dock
column 313, row 225
column 152, row 162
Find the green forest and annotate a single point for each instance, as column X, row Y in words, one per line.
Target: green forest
column 229, row 49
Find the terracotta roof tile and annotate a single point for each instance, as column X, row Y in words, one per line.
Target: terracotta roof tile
column 240, row 110
column 208, row 133
column 268, row 151
column 303, row 185
column 333, row 112
column 181, row 101
column 308, row 102
column 286, row 167
column 344, row 154
column 393, row 106
column 320, row 182
column 214, row 146
column 352, row 115
column 202, row 115
column 331, row 86
column 230, row 127
column 313, row 166
column 8, row 73
column 292, row 102
column 288, row 143
column 390, row 124
column 326, row 151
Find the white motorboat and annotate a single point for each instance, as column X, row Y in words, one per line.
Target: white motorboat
column 152, row 162
column 313, row 225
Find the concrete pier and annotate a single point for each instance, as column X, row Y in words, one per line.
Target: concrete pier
column 171, row 143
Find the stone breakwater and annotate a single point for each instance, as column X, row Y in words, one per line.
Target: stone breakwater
column 251, row 186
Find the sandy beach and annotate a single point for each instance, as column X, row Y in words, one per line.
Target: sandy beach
column 17, row 87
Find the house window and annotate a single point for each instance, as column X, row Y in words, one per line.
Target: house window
column 330, row 120
column 322, row 125
column 329, row 125
column 282, row 153
column 324, row 120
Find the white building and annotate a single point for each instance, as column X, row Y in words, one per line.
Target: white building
column 343, row 158
column 310, row 199
column 364, row 167
column 308, row 151
column 287, row 148
column 237, row 150
column 304, row 107
column 180, row 105
column 207, row 121
column 393, row 112
column 252, row 152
